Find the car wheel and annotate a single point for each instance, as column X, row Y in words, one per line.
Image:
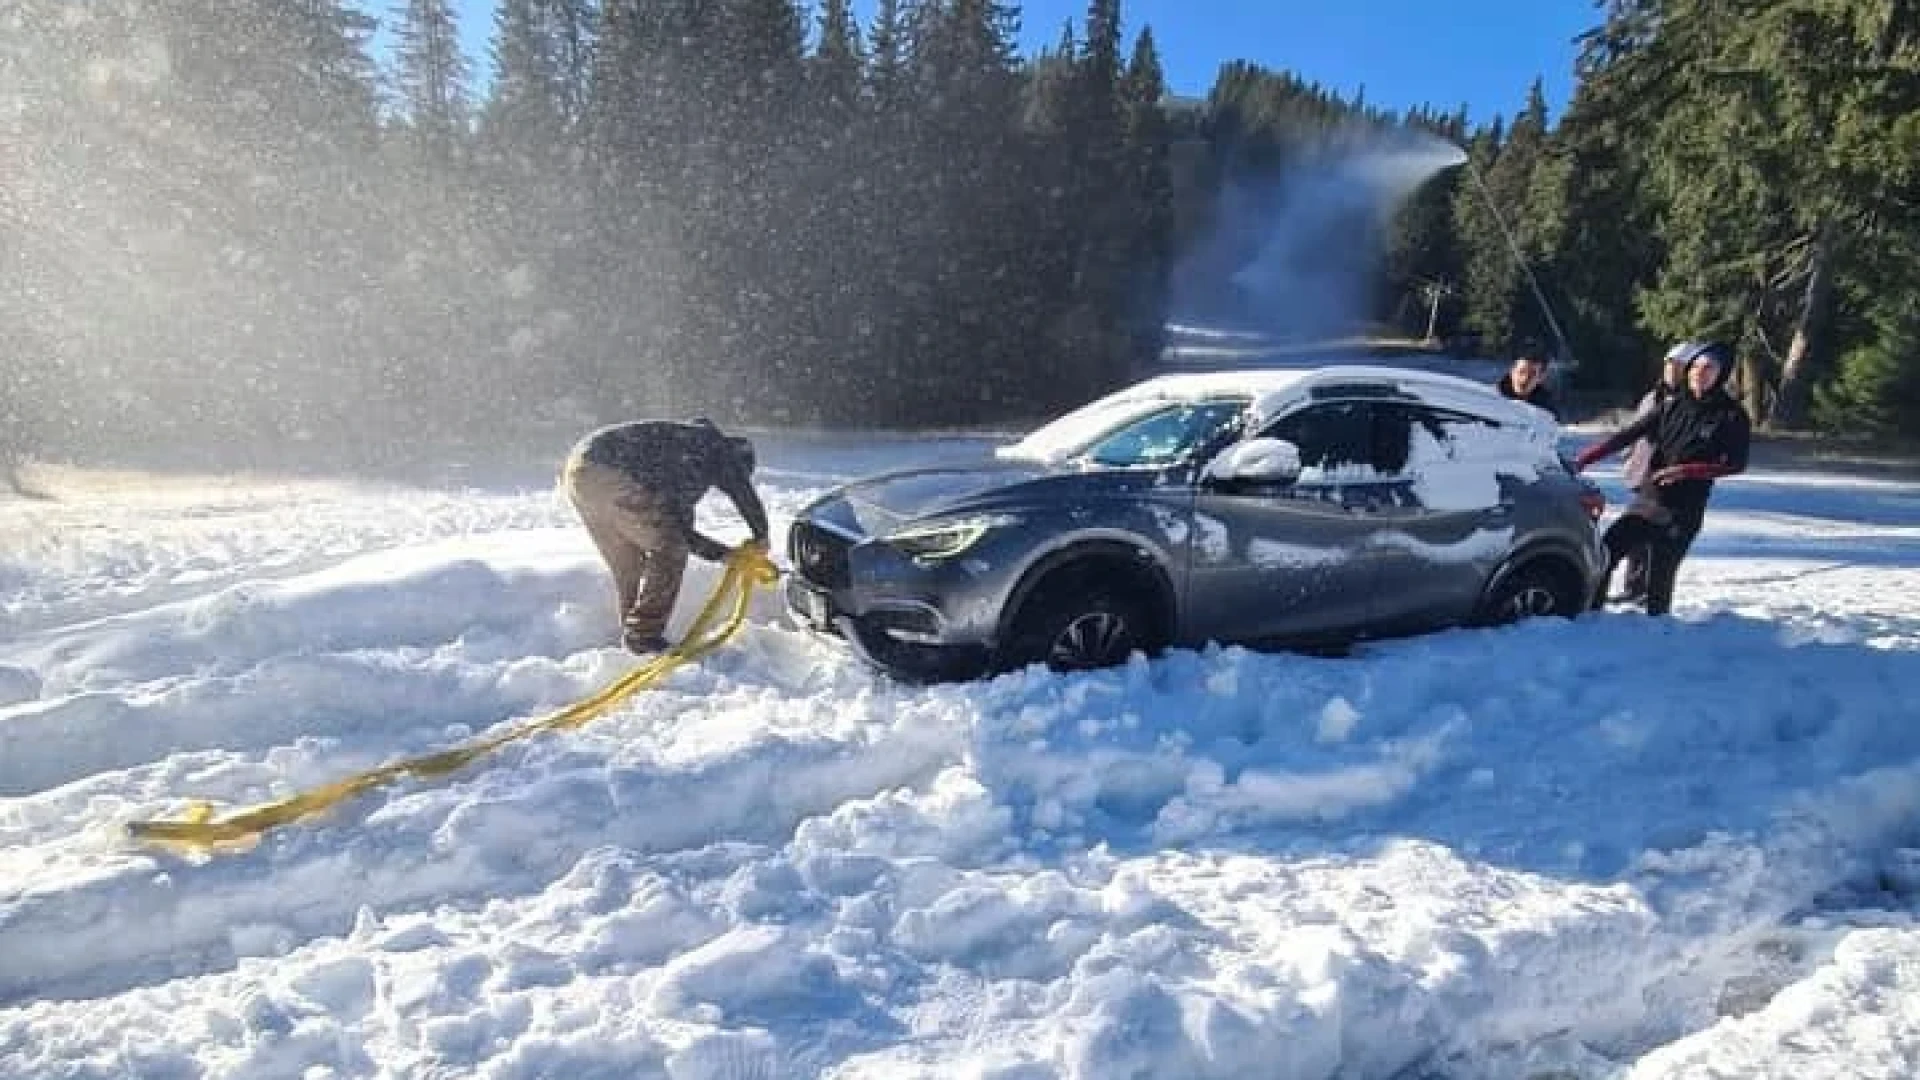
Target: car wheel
column 1540, row 588
column 1079, row 630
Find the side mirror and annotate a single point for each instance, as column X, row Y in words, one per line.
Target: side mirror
column 1274, row 462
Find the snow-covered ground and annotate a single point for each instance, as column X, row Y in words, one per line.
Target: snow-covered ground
column 1616, row 847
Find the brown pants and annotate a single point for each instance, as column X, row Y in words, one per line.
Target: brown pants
column 640, row 539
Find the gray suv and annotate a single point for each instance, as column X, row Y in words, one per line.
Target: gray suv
column 1263, row 507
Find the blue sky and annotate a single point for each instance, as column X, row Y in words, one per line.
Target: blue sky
column 1481, row 53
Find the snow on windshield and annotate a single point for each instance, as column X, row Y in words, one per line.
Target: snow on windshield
column 1073, row 432
column 1061, row 438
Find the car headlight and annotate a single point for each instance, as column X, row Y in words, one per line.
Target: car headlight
column 945, row 539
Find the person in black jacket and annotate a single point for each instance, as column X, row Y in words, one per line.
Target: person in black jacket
column 1698, row 436
column 635, row 486
column 1673, row 379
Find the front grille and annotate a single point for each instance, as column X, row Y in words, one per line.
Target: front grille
column 818, row 555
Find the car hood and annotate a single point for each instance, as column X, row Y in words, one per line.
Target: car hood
column 877, row 505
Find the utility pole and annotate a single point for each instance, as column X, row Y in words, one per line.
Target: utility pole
column 1434, row 290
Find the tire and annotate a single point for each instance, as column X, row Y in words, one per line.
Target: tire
column 1079, row 629
column 1540, row 588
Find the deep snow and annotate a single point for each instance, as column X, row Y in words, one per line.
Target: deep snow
column 1612, row 847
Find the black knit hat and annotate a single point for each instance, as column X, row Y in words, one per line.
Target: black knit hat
column 1720, row 353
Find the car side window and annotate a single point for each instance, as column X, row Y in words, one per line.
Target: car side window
column 1438, row 435
column 1332, row 437
column 1392, row 440
column 1358, row 441
column 1165, row 437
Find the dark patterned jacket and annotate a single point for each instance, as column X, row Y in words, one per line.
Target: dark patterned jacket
column 679, row 462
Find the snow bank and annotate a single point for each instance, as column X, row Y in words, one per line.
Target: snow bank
column 1558, row 848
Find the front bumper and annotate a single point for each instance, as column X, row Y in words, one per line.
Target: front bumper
column 881, row 643
column 823, row 609
column 895, row 613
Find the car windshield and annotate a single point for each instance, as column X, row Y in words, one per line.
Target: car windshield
column 1166, row 436
column 1064, row 436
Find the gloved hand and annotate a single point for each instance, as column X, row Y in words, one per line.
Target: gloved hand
column 706, row 548
column 753, row 555
column 1693, row 470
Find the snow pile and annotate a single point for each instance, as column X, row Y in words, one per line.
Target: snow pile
column 1611, row 847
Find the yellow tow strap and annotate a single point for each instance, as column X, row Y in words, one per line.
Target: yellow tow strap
column 197, row 832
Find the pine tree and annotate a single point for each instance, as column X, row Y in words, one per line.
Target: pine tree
column 636, row 106
column 1877, row 391
column 888, row 49
column 1528, row 186
column 1148, row 153
column 525, row 108
column 749, row 54
column 836, row 64
column 572, row 27
column 1100, row 70
column 431, row 75
column 1049, row 88
column 1104, row 203
column 756, row 57
column 1801, row 112
column 969, row 219
column 1610, row 244
column 271, row 73
column 1491, row 279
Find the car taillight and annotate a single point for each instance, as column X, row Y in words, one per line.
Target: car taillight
column 1594, row 502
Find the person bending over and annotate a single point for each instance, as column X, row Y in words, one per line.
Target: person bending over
column 635, row 486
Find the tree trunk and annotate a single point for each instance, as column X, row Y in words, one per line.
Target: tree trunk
column 1796, row 377
column 1753, row 378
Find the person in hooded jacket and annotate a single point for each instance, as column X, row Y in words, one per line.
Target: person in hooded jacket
column 1697, row 435
column 635, row 486
column 1673, row 378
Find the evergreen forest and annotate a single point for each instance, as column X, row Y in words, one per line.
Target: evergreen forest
column 253, row 224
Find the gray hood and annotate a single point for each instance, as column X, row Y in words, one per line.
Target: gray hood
column 884, row 501
column 879, row 505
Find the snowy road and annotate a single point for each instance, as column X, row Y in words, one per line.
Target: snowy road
column 1613, row 847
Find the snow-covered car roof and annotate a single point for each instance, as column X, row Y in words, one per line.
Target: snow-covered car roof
column 1429, row 387
column 1062, row 436
column 1272, row 391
